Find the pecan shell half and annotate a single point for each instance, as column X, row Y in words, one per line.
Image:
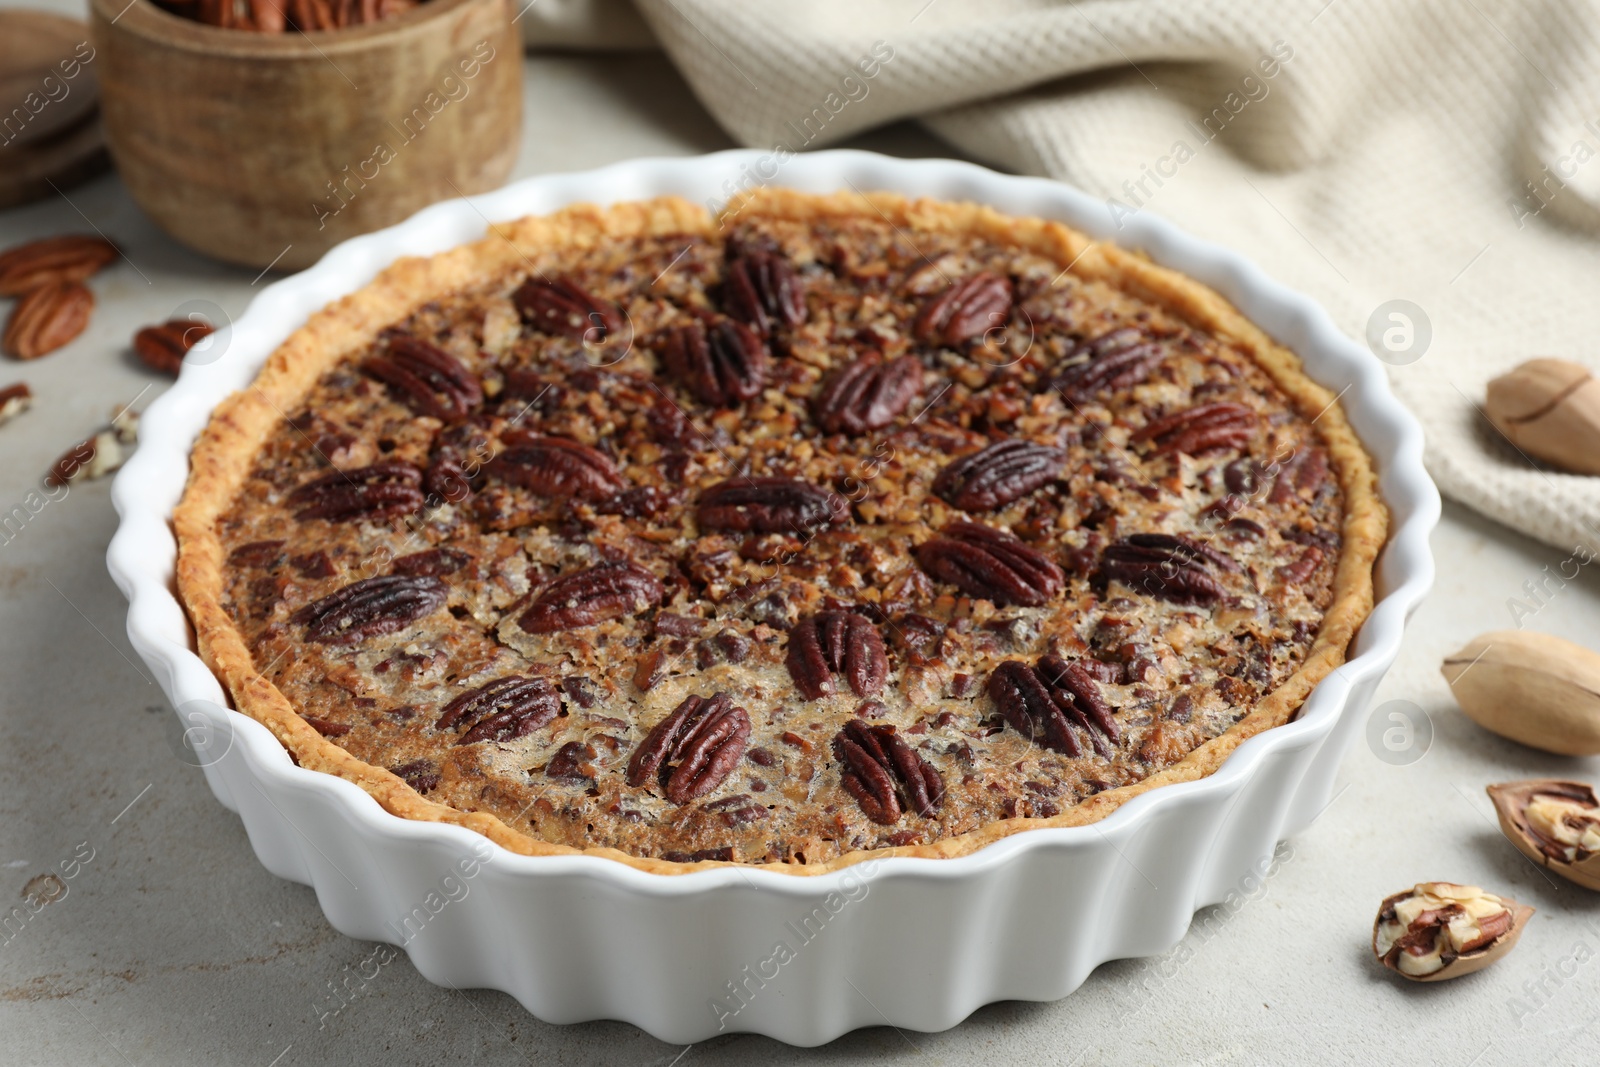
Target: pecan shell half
column 1197, row 429
column 770, row 505
column 867, row 394
column 53, row 261
column 557, row 467
column 1165, row 566
column 163, row 347
column 836, row 642
column 1000, row 474
column 762, row 291
column 967, row 309
column 880, row 769
column 704, row 737
column 429, row 380
column 47, row 318
column 723, row 365
column 984, row 562
column 370, row 607
column 560, row 307
column 594, row 595
column 380, row 491
column 505, row 708
column 1114, row 360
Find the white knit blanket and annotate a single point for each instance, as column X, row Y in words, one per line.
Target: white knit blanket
column 1439, row 154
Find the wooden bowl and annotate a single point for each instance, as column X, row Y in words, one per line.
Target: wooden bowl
column 269, row 149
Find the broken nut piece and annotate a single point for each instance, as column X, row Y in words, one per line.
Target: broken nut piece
column 1555, row 823
column 14, row 400
column 100, row 455
column 1439, row 930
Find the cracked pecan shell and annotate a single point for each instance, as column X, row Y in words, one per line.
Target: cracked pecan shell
column 993, row 564
column 880, row 768
column 836, row 642
column 967, row 309
column 594, row 595
column 723, row 364
column 556, row 467
column 426, row 378
column 1166, row 566
column 867, row 394
column 704, row 738
column 770, row 505
column 1113, row 360
column 1202, row 427
column 998, row 475
column 370, row 607
column 560, row 307
column 762, row 291
column 381, row 491
column 505, row 708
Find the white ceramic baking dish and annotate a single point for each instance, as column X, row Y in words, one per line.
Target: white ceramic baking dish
column 915, row 943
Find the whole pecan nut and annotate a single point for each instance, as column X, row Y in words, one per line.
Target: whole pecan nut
column 762, row 291
column 434, row 562
column 163, row 347
column 693, row 750
column 1029, row 708
column 1044, row 702
column 770, row 505
column 380, row 491
column 967, row 309
column 984, row 562
column 722, row 365
column 836, row 642
column 1113, row 360
column 867, row 394
column 53, row 261
column 1300, row 476
column 370, row 607
column 584, row 598
column 998, row 475
column 559, row 306
column 556, row 467
column 1202, row 427
column 429, row 380
column 1298, row 572
column 513, row 706
column 880, row 768
column 47, row 318
column 1166, row 566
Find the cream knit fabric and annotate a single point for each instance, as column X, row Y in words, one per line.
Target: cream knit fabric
column 1363, row 151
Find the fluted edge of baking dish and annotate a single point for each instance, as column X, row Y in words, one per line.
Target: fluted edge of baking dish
column 915, row 943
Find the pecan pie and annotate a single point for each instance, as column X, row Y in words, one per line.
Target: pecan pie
column 827, row 527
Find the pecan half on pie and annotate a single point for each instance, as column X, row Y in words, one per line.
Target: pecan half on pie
column 831, row 525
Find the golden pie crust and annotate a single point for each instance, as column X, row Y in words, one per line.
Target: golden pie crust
column 222, row 461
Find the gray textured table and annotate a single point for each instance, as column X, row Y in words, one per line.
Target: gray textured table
column 172, row 946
